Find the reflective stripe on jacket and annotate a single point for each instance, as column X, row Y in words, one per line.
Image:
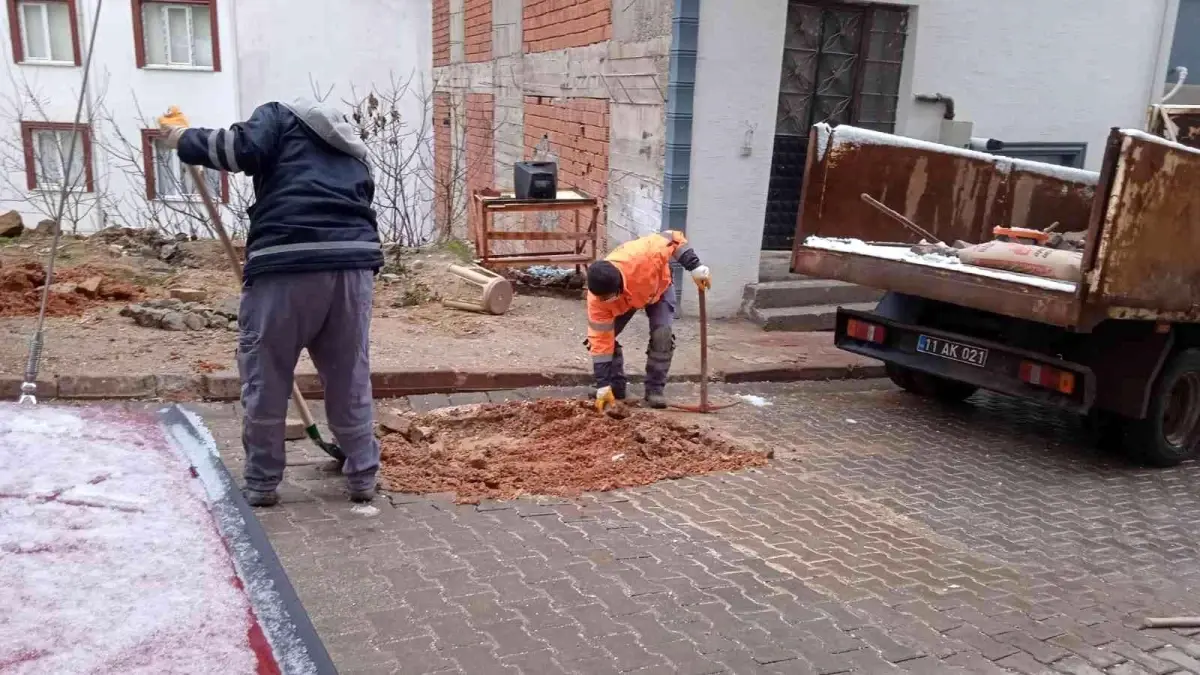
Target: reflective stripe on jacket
column 646, row 273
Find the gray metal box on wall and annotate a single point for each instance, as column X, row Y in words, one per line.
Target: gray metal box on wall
column 956, row 133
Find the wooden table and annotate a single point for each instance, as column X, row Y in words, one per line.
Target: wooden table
column 487, row 204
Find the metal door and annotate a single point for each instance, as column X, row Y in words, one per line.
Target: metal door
column 841, row 64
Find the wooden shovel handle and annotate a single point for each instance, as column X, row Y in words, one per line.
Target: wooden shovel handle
column 215, row 224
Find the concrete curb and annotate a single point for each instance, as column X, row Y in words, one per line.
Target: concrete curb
column 386, row 384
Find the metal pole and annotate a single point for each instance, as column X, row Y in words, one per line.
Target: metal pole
column 29, row 385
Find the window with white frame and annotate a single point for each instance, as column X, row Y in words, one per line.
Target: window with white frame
column 173, row 181
column 178, row 35
column 45, row 32
column 54, row 161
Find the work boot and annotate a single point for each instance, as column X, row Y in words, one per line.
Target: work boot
column 259, row 498
column 656, row 400
column 364, row 496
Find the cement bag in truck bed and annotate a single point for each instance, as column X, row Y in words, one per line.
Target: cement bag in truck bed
column 1036, row 260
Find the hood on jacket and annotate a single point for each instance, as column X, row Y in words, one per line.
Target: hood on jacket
column 330, row 125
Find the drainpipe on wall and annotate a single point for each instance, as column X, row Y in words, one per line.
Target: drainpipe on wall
column 938, row 98
column 681, row 90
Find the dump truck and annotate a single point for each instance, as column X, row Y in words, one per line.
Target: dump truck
column 1120, row 345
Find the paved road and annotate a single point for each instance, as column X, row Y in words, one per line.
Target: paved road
column 889, row 535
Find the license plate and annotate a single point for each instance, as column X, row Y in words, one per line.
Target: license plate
column 952, row 351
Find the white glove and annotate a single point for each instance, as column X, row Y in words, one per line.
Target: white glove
column 703, row 277
column 171, row 137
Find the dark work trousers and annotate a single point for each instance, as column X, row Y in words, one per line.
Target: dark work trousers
column 328, row 313
column 660, row 349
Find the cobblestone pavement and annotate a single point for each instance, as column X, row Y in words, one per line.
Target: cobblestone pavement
column 890, row 534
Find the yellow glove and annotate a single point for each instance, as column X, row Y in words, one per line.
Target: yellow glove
column 604, row 398
column 703, row 277
column 172, row 125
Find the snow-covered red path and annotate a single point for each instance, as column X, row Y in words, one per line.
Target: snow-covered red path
column 110, row 560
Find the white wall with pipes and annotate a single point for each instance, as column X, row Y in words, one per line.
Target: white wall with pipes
column 1037, row 70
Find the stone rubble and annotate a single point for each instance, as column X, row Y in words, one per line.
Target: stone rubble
column 11, row 225
column 189, row 294
column 177, row 315
column 148, row 243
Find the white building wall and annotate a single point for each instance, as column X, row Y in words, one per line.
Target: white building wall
column 270, row 50
column 737, row 95
column 337, row 48
column 123, row 99
column 1021, row 70
column 1038, row 70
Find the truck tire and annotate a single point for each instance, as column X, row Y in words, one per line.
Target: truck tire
column 929, row 386
column 1170, row 434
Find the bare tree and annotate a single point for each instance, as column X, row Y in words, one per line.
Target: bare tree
column 36, row 157
column 399, row 149
column 419, row 199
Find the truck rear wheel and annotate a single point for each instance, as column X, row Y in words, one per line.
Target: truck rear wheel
column 929, row 386
column 1170, row 433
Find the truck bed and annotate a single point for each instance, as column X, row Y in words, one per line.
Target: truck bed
column 1140, row 213
column 888, row 268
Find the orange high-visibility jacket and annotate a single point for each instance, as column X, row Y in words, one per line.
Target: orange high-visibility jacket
column 646, row 273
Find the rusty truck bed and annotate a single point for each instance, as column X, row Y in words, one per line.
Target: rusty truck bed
column 1141, row 262
column 1011, row 298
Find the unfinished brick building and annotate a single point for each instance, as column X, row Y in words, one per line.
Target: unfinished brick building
column 582, row 82
column 719, row 146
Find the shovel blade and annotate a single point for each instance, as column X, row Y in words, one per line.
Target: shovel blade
column 703, row 409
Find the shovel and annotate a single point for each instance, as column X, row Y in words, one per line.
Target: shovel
column 704, row 407
column 214, row 215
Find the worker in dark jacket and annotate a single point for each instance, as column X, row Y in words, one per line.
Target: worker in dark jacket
column 311, row 256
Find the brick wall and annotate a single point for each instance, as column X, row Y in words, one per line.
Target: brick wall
column 442, row 132
column 480, row 164
column 441, row 33
column 559, row 24
column 577, row 129
column 477, row 40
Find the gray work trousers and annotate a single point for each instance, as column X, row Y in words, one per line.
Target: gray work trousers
column 658, row 352
column 329, row 313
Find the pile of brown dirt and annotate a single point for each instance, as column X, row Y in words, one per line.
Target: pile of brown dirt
column 73, row 291
column 550, row 447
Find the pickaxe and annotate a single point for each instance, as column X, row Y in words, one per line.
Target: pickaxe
column 705, row 406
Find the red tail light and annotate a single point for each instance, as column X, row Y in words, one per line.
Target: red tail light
column 867, row 332
column 1048, row 377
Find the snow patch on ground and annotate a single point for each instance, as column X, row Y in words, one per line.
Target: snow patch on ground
column 905, row 254
column 756, row 401
column 365, row 510
column 109, row 558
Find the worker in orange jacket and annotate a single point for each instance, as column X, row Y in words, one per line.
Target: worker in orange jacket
column 637, row 275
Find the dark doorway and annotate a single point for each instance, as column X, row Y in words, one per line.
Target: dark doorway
column 841, row 65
